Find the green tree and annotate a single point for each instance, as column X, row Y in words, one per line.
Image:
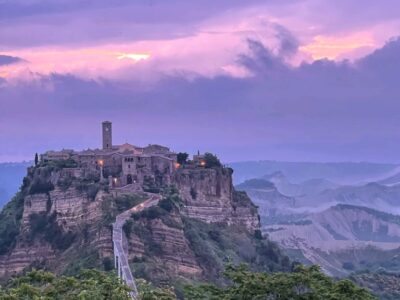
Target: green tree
column 36, row 159
column 88, row 285
column 149, row 292
column 182, row 158
column 211, row 160
column 305, row 283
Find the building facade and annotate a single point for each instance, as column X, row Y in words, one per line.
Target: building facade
column 124, row 164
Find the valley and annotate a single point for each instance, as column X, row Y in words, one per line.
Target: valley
column 344, row 228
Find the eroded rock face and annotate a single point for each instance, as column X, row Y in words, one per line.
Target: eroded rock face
column 73, row 211
column 166, row 244
column 209, row 196
column 23, row 256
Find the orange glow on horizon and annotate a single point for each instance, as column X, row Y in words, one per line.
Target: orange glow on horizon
column 333, row 47
column 134, row 56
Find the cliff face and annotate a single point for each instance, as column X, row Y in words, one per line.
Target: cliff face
column 167, row 246
column 53, row 222
column 63, row 223
column 209, row 196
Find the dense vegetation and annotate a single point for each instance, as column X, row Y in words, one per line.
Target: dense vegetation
column 216, row 245
column 45, row 226
column 112, row 206
column 182, row 158
column 385, row 285
column 10, row 221
column 302, row 284
column 88, row 285
column 211, row 160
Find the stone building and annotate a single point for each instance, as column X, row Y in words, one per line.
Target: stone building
column 124, row 164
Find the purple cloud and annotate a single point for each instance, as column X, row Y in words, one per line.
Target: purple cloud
column 323, row 110
column 9, row 60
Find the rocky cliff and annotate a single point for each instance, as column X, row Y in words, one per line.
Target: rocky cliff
column 63, row 223
column 208, row 195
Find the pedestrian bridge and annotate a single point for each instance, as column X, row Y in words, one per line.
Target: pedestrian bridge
column 120, row 244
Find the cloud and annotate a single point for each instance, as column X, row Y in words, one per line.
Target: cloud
column 9, row 60
column 36, row 23
column 323, row 110
column 289, row 44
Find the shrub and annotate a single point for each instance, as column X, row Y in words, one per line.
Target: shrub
column 193, row 193
column 182, row 158
column 40, row 186
column 153, row 212
column 258, row 234
column 150, row 186
column 211, row 160
column 65, row 183
column 108, row 264
column 46, row 226
column 125, row 202
column 92, row 191
column 128, row 228
column 10, row 221
column 166, row 204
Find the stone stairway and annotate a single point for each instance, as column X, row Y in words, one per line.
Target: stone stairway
column 119, row 239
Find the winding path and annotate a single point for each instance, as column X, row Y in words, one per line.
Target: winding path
column 119, row 241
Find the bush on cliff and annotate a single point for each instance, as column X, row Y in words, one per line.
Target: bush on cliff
column 182, row 158
column 47, row 227
column 40, row 186
column 211, row 160
column 216, row 245
column 10, row 221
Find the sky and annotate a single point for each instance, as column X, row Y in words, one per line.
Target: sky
column 292, row 80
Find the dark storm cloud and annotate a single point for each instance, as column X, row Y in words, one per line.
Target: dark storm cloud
column 323, row 110
column 77, row 22
column 8, row 60
column 288, row 42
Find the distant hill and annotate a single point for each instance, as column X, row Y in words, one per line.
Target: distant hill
column 343, row 239
column 308, row 187
column 273, row 206
column 391, row 180
column 296, row 172
column 11, row 175
column 373, row 195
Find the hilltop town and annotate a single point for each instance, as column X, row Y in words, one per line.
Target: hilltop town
column 124, row 164
column 147, row 210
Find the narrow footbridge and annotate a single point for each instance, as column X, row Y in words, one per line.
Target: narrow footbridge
column 121, row 244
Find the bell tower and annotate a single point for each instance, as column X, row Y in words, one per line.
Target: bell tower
column 107, row 135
